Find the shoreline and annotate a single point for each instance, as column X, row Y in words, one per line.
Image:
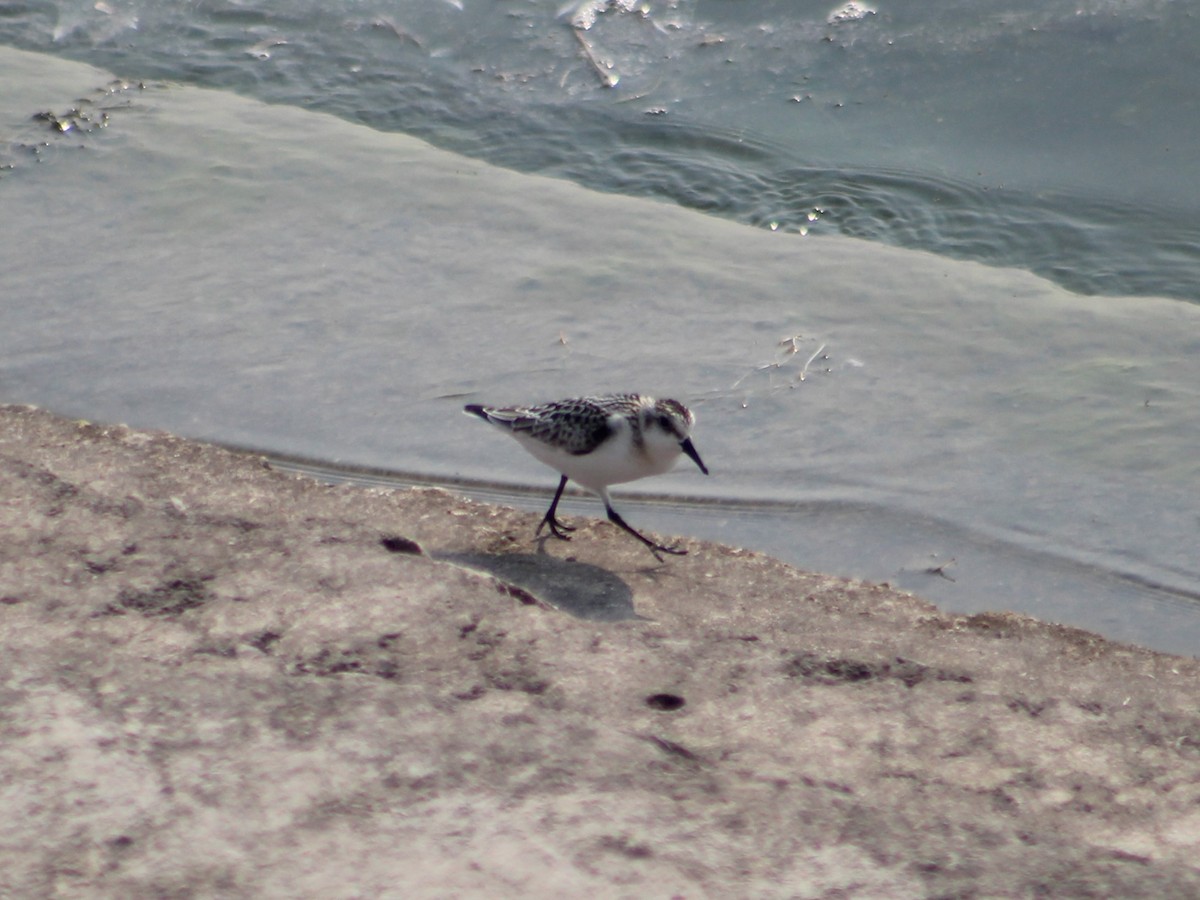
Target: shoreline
column 221, row 678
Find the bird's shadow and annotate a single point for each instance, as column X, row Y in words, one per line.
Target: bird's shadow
column 579, row 589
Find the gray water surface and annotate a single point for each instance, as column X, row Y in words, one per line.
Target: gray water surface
column 1058, row 136
column 275, row 278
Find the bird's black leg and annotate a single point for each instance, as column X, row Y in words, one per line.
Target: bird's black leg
column 556, row 527
column 615, row 518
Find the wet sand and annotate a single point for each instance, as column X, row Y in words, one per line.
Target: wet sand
column 223, row 680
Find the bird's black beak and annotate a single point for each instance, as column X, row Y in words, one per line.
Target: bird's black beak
column 686, row 446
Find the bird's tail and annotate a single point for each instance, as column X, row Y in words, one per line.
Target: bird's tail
column 502, row 417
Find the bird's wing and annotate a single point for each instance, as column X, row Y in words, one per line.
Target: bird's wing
column 576, row 426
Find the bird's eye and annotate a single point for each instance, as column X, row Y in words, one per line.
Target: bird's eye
column 665, row 423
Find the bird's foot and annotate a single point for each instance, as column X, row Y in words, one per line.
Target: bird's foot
column 658, row 549
column 556, row 527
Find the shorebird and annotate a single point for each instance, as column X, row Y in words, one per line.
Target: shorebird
column 600, row 441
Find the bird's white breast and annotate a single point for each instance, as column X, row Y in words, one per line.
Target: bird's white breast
column 616, row 461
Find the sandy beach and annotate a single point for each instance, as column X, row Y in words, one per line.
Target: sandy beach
column 223, row 680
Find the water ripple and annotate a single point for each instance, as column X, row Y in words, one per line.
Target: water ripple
column 505, row 96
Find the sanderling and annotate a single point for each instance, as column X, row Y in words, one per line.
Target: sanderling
column 598, row 441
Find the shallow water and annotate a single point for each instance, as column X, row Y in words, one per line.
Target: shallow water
column 285, row 280
column 1048, row 135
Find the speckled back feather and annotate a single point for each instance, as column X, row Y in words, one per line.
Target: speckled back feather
column 577, row 425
